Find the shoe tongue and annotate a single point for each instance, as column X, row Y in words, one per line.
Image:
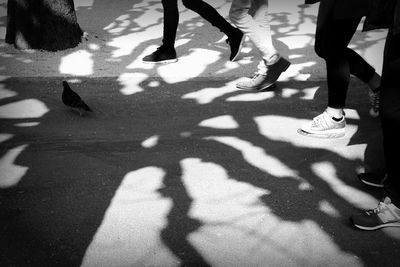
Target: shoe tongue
column 387, row 200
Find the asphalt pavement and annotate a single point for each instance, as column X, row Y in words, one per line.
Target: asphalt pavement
column 195, row 174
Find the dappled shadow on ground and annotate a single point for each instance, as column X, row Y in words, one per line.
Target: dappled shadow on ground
column 175, row 170
column 166, row 177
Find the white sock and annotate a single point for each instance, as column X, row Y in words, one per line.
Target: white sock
column 335, row 112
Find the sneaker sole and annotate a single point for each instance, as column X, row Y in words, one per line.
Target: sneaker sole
column 369, row 183
column 161, row 62
column 240, row 48
column 321, row 136
column 271, row 86
column 371, row 228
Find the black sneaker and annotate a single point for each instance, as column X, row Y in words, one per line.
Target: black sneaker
column 372, row 179
column 263, row 80
column 161, row 56
column 235, row 42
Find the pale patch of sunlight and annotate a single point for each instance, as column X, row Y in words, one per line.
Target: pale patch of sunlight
column 152, row 14
column 151, row 141
column 207, row 95
column 217, row 197
column 28, row 108
column 4, row 137
column 5, row 93
column 289, row 92
column 27, row 124
column 130, row 230
column 266, row 241
column 185, row 134
column 327, row 172
column 220, row 122
column 259, row 96
column 153, row 84
column 25, row 60
column 284, row 129
column 352, row 114
column 74, row 80
column 11, row 174
column 258, row 158
column 83, row 3
column 246, row 50
column 240, row 230
column 130, row 82
column 94, row 46
column 124, row 17
column 125, row 44
column 328, row 209
column 229, row 66
column 110, row 26
column 182, row 41
column 184, row 69
column 295, row 56
column 307, row 93
column 78, row 63
column 296, row 41
column 294, row 72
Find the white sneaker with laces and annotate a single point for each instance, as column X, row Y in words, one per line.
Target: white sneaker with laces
column 324, row 126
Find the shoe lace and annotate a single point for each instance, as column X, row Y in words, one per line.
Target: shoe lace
column 319, row 119
column 375, row 100
column 378, row 209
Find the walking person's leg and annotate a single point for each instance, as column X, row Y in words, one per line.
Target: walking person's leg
column 390, row 115
column 166, row 52
column 251, row 17
column 235, row 36
column 331, row 43
column 387, row 214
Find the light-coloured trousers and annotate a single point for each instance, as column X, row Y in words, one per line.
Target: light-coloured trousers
column 251, row 17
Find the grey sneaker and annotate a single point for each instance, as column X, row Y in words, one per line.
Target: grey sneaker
column 385, row 215
column 324, row 126
column 263, row 80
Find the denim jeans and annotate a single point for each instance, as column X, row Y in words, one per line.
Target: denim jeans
column 251, row 17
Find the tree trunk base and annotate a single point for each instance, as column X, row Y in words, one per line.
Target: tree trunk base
column 48, row 24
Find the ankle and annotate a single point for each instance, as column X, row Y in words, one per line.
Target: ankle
column 374, row 83
column 335, row 113
column 270, row 60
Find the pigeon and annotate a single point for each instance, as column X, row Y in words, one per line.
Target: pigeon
column 73, row 100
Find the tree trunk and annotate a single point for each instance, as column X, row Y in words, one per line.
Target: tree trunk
column 42, row 24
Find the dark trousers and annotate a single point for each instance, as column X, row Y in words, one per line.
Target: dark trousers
column 171, row 18
column 390, row 114
column 331, row 43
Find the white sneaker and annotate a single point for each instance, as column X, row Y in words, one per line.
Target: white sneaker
column 323, row 126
